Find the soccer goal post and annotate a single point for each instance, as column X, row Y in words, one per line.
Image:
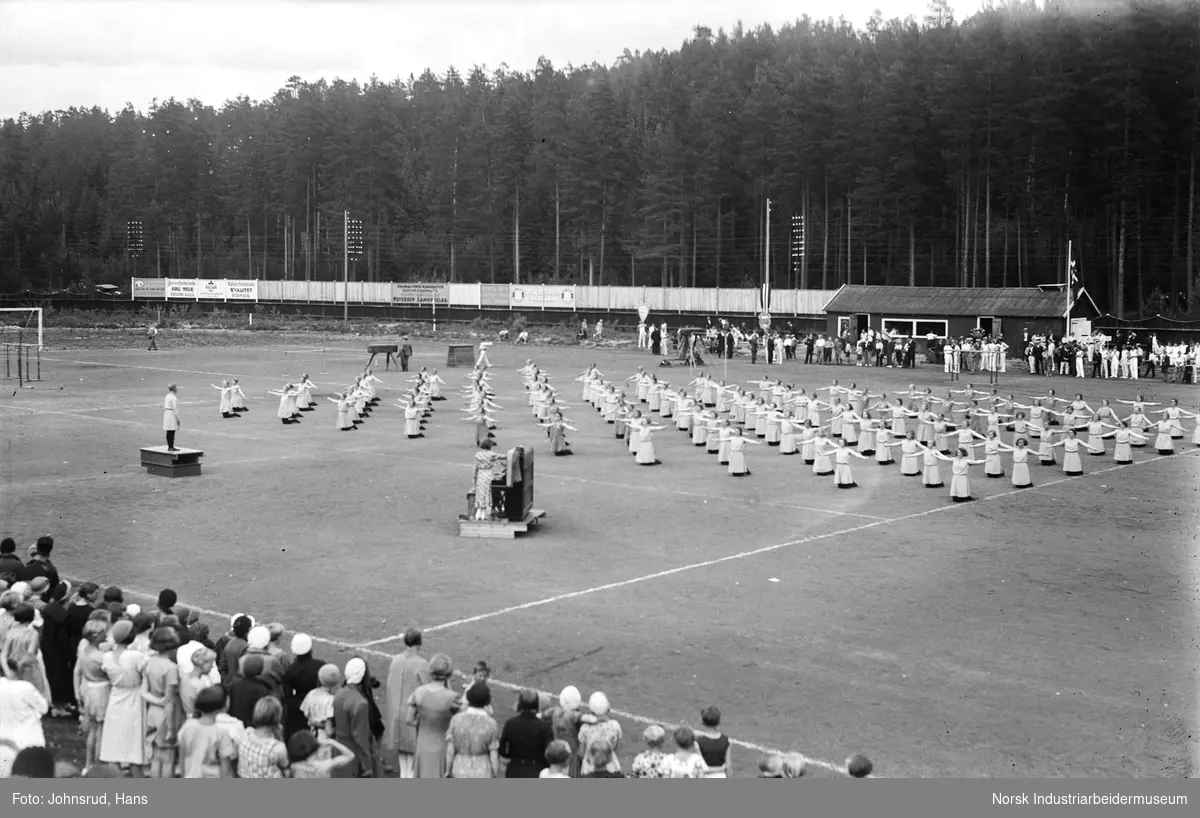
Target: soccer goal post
column 25, row 323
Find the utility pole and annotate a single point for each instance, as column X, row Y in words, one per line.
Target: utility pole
column 767, row 253
column 346, row 266
column 517, row 236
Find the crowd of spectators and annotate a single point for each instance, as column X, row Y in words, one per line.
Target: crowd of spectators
column 155, row 695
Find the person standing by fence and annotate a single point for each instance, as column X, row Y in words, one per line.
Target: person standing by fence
column 152, row 335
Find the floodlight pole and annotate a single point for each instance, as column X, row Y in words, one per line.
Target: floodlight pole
column 346, row 266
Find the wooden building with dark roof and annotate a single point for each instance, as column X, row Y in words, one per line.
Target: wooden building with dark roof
column 956, row 311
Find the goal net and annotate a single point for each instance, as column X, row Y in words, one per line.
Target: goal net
column 21, row 326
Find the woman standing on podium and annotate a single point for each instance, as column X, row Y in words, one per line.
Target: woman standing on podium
column 171, row 416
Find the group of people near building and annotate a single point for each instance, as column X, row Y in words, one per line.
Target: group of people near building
column 1101, row 355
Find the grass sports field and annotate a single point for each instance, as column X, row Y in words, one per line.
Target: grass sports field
column 1047, row 632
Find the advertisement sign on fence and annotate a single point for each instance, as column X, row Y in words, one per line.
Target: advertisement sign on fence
column 542, row 296
column 181, row 288
column 241, row 290
column 494, row 295
column 148, row 288
column 405, row 294
column 211, row 288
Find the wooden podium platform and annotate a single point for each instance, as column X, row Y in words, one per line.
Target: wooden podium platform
column 179, row 463
column 499, row 529
column 461, row 355
column 390, row 350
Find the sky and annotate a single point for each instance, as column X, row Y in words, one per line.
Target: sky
column 55, row 54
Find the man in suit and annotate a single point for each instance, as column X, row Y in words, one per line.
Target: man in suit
column 405, row 353
column 39, row 564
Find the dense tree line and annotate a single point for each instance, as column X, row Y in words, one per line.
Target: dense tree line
column 912, row 152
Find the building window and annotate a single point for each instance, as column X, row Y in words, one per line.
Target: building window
column 911, row 328
column 938, row 329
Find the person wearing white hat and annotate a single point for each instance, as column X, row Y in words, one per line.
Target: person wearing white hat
column 352, row 723
column 132, row 610
column 604, row 729
column 565, row 719
column 298, row 680
column 258, row 641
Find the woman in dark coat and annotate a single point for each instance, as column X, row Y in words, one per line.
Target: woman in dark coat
column 58, row 651
column 352, row 723
column 524, row 739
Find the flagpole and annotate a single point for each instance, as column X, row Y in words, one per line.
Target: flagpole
column 1070, row 276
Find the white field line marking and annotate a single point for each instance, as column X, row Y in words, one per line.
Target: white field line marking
column 709, row 496
column 138, row 366
column 202, row 431
column 755, row 552
column 130, row 407
column 515, row 688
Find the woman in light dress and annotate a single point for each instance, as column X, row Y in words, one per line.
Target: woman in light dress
column 823, row 452
column 645, row 451
column 931, row 477
column 429, row 710
column 883, row 445
column 992, row 448
column 807, row 440
column 1020, row 461
column 123, row 740
column 304, row 390
column 1172, row 414
column 239, row 397
column 473, row 738
column 344, row 421
column 910, row 449
column 556, row 431
column 287, row 412
column 654, row 394
column 843, row 477
column 91, row 688
column 20, row 651
column 1124, row 438
column 226, row 406
column 787, row 436
column 412, row 417
column 774, row 425
column 737, row 452
column 1071, row 446
column 603, row 731
column 1096, row 435
column 1164, row 444
column 435, row 384
column 960, row 468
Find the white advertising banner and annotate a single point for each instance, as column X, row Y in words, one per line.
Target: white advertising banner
column 241, row 290
column 211, row 288
column 542, row 296
column 181, row 289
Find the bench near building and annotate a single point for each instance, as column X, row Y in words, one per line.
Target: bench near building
column 956, row 311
